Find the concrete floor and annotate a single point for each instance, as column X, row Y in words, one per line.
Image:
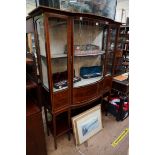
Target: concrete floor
column 99, row 144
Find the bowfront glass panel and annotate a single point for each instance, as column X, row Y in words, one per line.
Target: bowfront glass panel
column 88, row 51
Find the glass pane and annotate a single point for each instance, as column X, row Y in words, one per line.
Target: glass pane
column 123, row 38
column 31, row 43
column 105, row 37
column 112, row 39
column 109, row 65
column 110, row 52
column 59, row 52
column 31, row 47
column 88, row 51
column 41, row 40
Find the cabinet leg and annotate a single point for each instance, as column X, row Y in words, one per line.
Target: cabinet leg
column 106, row 109
column 69, row 136
column 106, row 106
column 54, row 131
column 120, row 111
column 69, row 124
column 55, row 143
column 46, row 121
column 39, row 95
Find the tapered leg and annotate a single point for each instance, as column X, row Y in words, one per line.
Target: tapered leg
column 69, row 136
column 106, row 109
column 119, row 115
column 69, row 124
column 45, row 111
column 54, row 131
column 106, row 105
column 39, row 95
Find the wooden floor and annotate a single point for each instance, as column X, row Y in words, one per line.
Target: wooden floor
column 100, row 144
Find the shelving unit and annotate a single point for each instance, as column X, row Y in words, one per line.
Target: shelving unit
column 122, row 53
column 124, row 35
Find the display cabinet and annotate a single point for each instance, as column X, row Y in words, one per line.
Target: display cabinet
column 124, row 34
column 76, row 55
column 124, row 37
column 122, row 54
column 123, row 43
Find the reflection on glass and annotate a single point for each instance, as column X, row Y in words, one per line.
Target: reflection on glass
column 88, row 52
column 105, row 36
column 58, row 52
column 31, row 43
column 31, row 47
column 109, row 67
column 112, row 39
column 41, row 39
column 110, row 53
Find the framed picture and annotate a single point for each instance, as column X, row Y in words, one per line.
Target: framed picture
column 105, row 8
column 87, row 124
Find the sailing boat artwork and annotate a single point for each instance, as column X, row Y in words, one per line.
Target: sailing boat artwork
column 87, row 124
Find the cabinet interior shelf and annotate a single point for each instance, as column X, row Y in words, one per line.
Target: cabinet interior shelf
column 85, row 82
column 57, row 55
column 76, row 55
column 81, row 83
column 89, row 54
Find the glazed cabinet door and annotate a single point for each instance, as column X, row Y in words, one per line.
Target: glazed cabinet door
column 59, row 61
column 52, row 34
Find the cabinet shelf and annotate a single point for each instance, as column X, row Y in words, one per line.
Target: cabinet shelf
column 76, row 55
column 85, row 82
column 89, row 54
column 61, row 129
column 57, row 56
column 55, row 90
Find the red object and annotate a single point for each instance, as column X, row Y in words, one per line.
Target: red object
column 116, row 101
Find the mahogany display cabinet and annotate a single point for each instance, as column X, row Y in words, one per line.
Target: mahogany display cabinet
column 76, row 55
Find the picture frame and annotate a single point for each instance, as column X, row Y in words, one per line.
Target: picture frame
column 105, row 8
column 87, row 124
